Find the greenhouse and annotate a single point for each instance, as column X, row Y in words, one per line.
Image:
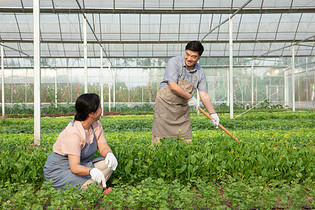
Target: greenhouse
column 120, row 49
column 255, row 52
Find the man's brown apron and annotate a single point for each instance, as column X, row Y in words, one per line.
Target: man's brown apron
column 171, row 116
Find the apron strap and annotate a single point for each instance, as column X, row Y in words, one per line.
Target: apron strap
column 93, row 133
column 72, row 121
column 193, row 80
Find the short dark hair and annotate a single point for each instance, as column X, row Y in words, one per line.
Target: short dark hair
column 85, row 104
column 195, row 46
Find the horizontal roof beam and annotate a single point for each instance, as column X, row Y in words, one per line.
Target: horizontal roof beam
column 153, row 57
column 163, row 11
column 144, row 67
column 154, row 42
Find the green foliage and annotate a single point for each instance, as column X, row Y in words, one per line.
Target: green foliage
column 214, row 156
column 22, row 109
column 145, row 108
column 138, row 109
column 272, row 166
column 20, row 161
column 51, row 109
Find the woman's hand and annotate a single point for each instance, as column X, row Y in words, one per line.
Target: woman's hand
column 110, row 158
column 111, row 161
column 97, row 176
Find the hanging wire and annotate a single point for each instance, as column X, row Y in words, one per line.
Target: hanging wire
column 218, row 26
column 294, row 43
column 99, row 42
column 19, row 51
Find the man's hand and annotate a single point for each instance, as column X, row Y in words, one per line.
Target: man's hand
column 192, row 101
column 216, row 120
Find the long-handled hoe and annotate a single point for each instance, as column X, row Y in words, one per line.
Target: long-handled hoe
column 220, row 126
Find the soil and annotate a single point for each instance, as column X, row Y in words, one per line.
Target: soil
column 52, row 115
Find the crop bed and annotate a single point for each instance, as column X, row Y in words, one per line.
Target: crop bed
column 273, row 166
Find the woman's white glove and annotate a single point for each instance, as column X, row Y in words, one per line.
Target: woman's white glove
column 216, row 120
column 97, row 176
column 192, row 101
column 111, row 161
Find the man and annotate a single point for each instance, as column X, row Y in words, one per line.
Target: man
column 182, row 75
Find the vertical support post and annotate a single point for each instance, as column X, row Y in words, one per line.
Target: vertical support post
column 256, row 89
column 109, row 87
column 198, row 102
column 11, row 89
column 142, row 99
column 25, row 85
column 252, row 80
column 2, row 83
column 298, row 95
column 231, row 66
column 277, row 91
column 212, row 82
column 56, row 90
column 128, row 96
column 228, row 87
column 37, row 73
column 129, row 90
column 293, row 78
column 71, row 92
column 101, row 80
column 114, row 88
column 307, row 83
column 285, row 88
column 267, row 95
column 150, row 85
column 142, row 88
column 85, row 55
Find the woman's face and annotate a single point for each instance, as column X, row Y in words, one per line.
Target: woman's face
column 97, row 114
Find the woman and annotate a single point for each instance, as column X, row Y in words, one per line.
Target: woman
column 70, row 162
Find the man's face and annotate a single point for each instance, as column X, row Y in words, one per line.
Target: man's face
column 191, row 58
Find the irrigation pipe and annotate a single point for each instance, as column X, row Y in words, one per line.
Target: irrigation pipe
column 220, row 126
column 254, row 106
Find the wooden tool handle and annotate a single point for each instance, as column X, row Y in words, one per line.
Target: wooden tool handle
column 220, row 126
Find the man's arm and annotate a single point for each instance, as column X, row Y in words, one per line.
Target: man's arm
column 205, row 98
column 175, row 88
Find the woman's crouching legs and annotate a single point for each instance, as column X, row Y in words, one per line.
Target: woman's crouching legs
column 101, row 165
column 104, row 168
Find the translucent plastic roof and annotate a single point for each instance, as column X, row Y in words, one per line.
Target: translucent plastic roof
column 147, row 28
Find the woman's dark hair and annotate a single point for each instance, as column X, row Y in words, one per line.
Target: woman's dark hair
column 85, row 104
column 195, row 46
